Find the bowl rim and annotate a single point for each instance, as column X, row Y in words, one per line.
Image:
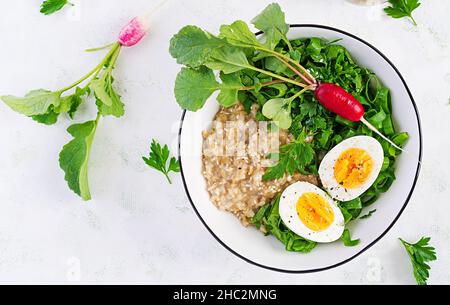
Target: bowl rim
column 390, row 225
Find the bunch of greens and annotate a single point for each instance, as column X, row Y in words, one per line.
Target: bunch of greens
column 420, row 254
column 46, row 106
column 279, row 75
column 49, row 7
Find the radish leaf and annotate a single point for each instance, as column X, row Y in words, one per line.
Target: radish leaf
column 192, row 46
column 273, row 23
column 74, row 158
column 36, row 102
column 194, row 87
column 229, row 89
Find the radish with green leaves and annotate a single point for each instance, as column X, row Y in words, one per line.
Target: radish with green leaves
column 237, row 54
column 45, row 106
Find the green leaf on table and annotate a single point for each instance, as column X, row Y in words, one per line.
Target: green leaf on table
column 420, row 254
column 272, row 22
column 228, row 60
column 158, row 158
column 51, row 6
column 238, row 34
column 192, row 46
column 36, row 102
column 74, row 157
column 347, row 240
column 193, row 87
column 229, row 89
column 402, row 8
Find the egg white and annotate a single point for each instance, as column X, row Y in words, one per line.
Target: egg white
column 288, row 213
column 326, row 169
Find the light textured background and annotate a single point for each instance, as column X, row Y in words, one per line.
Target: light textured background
column 139, row 229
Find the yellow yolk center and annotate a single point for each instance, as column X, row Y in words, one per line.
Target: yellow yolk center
column 353, row 168
column 315, row 212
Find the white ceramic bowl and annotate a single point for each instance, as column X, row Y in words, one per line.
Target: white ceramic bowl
column 265, row 251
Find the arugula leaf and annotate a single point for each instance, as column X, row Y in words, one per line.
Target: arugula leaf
column 51, row 6
column 74, row 158
column 402, row 8
column 194, row 87
column 294, row 157
column 36, row 102
column 192, row 46
column 273, row 23
column 229, row 89
column 347, row 240
column 269, row 217
column 420, row 254
column 158, row 160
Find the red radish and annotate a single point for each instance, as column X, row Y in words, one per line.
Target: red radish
column 137, row 28
column 133, row 32
column 339, row 101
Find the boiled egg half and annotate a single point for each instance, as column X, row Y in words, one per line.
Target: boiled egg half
column 351, row 167
column 310, row 213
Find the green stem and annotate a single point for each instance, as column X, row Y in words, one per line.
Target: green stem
column 97, row 69
column 288, row 44
column 305, row 79
column 278, row 81
column 288, row 59
column 101, row 48
column 168, row 178
column 413, row 20
column 291, row 99
column 287, row 80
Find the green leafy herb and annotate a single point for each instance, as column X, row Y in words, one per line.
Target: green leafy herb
column 347, row 240
column 269, row 218
column 420, row 254
column 402, row 8
column 46, row 106
column 74, row 158
column 368, row 215
column 51, row 6
column 159, row 160
column 294, row 157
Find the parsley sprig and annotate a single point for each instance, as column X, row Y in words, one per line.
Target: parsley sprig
column 420, row 253
column 49, row 7
column 159, row 160
column 294, row 157
column 402, row 8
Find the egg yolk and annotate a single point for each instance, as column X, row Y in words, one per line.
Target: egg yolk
column 315, row 212
column 353, row 168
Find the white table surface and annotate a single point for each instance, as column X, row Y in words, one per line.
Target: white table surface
column 139, row 229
